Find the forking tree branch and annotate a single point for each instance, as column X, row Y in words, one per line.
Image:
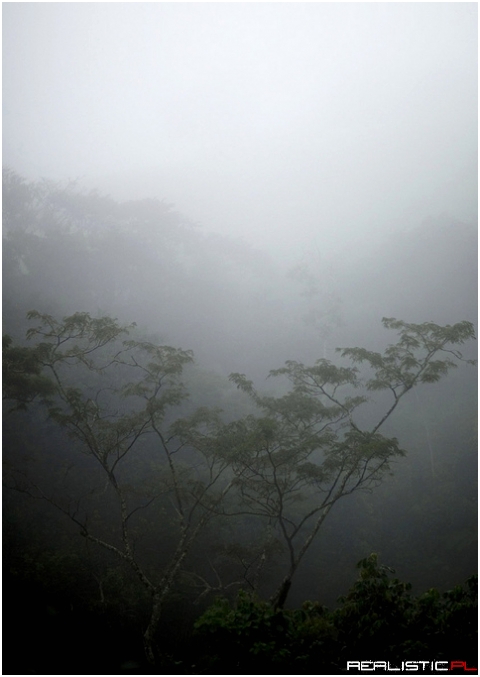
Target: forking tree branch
column 81, row 349
column 314, row 428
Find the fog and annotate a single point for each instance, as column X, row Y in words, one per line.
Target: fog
column 287, row 124
column 253, row 185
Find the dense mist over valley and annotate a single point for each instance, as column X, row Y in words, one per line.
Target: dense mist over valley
column 290, row 125
column 202, row 203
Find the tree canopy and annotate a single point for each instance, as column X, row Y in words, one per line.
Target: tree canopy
column 287, row 465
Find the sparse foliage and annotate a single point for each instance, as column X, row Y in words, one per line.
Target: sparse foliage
column 111, row 393
column 306, row 451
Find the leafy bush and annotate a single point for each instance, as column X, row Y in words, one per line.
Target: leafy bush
column 378, row 617
column 252, row 636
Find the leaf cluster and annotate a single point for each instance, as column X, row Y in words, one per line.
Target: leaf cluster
column 23, row 380
column 378, row 617
column 411, row 359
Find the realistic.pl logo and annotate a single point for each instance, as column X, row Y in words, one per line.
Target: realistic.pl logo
column 410, row 666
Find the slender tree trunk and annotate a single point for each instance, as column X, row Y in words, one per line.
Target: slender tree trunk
column 158, row 598
column 149, row 634
column 279, row 599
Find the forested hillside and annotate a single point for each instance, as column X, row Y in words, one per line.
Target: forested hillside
column 178, row 425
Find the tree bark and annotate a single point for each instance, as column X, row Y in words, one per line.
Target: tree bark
column 149, row 634
column 281, row 596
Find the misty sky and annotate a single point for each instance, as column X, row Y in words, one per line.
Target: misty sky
column 290, row 124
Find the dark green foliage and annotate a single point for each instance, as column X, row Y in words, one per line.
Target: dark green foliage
column 379, row 612
column 378, row 618
column 254, row 638
column 375, row 614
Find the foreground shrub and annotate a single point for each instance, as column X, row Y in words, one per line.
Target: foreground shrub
column 378, row 618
